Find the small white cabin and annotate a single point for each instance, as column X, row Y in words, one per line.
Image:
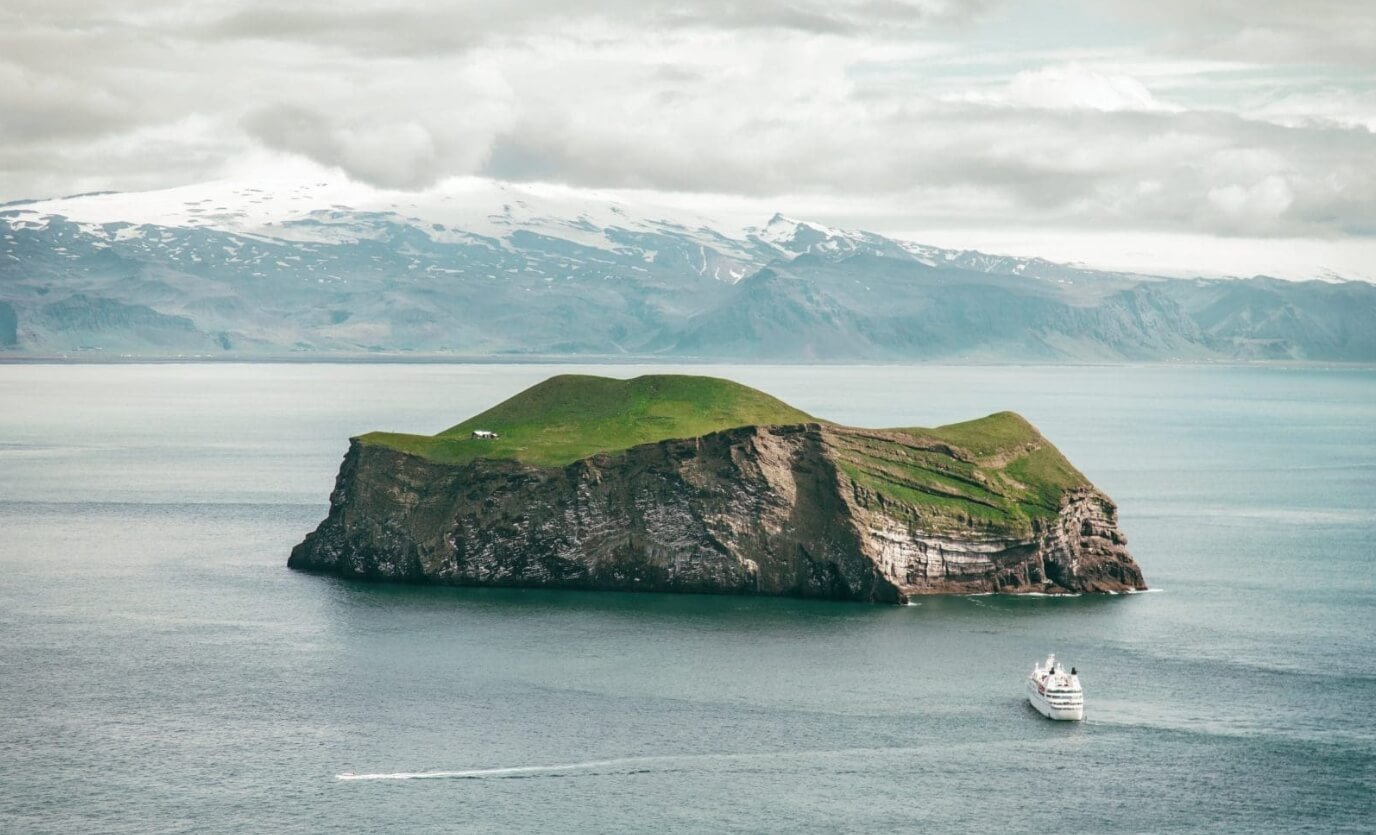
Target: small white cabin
column 484, row 435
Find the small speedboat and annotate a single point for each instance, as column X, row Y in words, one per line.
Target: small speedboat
column 1055, row 693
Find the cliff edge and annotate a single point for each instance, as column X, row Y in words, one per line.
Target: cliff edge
column 693, row 484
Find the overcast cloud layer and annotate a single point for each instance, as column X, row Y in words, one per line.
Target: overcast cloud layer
column 938, row 119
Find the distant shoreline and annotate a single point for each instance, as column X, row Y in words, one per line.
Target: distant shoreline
column 621, row 359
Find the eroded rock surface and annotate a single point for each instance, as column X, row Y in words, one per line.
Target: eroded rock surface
column 812, row 510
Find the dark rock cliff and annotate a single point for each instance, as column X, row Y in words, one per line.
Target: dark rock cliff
column 753, row 510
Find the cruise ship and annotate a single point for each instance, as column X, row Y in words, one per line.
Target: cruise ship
column 1055, row 693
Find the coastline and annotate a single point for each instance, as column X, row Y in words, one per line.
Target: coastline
column 628, row 359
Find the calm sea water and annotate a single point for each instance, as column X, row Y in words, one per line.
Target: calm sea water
column 162, row 671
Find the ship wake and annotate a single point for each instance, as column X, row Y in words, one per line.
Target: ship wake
column 621, row 765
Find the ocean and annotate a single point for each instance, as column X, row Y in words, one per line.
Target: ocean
column 162, row 671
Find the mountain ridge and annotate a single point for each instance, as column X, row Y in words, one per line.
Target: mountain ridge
column 493, row 270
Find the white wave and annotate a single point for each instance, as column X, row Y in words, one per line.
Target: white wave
column 623, row 763
column 1015, row 594
column 514, row 771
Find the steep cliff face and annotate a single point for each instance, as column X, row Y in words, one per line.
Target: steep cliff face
column 805, row 509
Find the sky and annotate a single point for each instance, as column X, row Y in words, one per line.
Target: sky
column 1177, row 136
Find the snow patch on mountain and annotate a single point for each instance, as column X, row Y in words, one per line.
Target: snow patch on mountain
column 548, row 229
column 461, row 210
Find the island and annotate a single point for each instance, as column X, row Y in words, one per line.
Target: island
column 677, row 483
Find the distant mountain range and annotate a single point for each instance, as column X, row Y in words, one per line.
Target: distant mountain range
column 476, row 268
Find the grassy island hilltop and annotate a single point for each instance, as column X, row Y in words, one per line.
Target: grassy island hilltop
column 995, row 470
column 572, row 416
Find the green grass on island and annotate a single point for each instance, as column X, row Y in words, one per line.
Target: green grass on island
column 573, row 416
column 1003, row 472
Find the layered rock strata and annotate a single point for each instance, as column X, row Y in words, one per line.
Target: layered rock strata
column 808, row 510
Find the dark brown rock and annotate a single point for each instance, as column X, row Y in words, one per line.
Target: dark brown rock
column 753, row 510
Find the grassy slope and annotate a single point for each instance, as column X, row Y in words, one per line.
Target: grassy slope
column 997, row 470
column 570, row 416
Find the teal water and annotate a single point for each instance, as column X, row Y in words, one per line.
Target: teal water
column 162, row 671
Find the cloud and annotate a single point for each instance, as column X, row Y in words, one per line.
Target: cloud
column 1327, row 106
column 41, row 106
column 401, row 155
column 1070, row 86
column 918, row 107
column 391, row 153
column 1076, row 87
column 1078, row 146
column 1264, row 31
column 411, row 27
column 1263, row 201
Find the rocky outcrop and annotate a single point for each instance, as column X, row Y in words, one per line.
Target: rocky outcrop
column 775, row 510
column 1079, row 550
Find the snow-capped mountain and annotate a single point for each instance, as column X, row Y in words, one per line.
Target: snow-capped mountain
column 479, row 267
column 470, row 212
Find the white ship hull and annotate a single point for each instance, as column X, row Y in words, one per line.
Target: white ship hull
column 1055, row 693
column 1050, row 711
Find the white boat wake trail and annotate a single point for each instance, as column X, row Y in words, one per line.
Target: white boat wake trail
column 623, row 764
column 516, row 771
